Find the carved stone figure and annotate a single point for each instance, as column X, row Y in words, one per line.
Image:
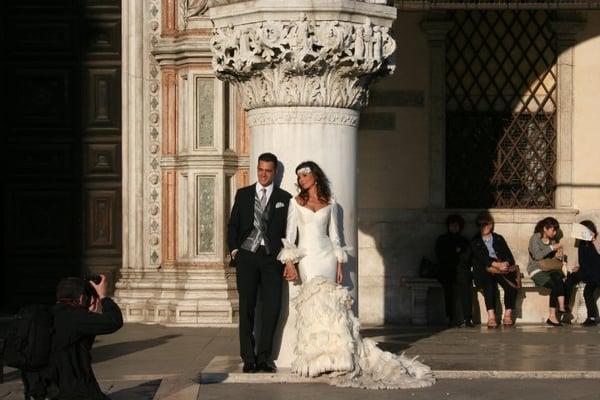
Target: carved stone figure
column 359, row 43
column 192, row 8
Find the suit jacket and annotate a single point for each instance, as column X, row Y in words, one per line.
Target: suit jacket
column 241, row 222
column 481, row 258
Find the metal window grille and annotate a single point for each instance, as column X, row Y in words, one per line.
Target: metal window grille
column 500, row 110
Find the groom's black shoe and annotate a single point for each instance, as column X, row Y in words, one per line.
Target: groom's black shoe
column 266, row 367
column 249, row 368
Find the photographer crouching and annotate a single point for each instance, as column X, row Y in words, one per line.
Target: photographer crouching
column 82, row 311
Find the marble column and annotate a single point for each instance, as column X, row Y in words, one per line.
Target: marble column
column 303, row 70
column 566, row 26
column 436, row 27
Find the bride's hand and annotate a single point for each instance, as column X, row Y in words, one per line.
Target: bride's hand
column 339, row 276
column 289, row 272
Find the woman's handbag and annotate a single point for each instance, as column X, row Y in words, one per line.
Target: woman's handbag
column 550, row 264
column 513, row 276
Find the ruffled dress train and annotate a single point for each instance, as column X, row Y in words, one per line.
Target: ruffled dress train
column 328, row 334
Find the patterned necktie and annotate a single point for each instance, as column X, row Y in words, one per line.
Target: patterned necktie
column 263, row 199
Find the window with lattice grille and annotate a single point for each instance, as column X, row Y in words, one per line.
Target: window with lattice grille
column 500, row 110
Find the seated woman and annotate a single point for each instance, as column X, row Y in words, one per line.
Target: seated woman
column 587, row 271
column 543, row 246
column 493, row 265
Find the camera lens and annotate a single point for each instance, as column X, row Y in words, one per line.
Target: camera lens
column 94, row 278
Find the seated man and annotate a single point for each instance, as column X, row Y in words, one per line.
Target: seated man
column 79, row 315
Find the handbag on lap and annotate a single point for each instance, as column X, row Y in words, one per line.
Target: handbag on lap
column 550, row 264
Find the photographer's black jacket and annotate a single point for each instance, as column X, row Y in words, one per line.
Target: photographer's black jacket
column 75, row 330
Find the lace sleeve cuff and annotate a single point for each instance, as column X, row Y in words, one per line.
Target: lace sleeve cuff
column 290, row 253
column 341, row 253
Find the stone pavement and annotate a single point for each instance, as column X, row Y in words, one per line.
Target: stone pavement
column 155, row 362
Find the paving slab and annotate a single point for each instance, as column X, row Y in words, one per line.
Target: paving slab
column 451, row 389
column 145, row 361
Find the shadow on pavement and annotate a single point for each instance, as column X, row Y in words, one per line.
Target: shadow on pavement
column 398, row 339
column 142, row 391
column 115, row 350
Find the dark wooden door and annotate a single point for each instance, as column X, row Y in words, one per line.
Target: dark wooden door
column 61, row 152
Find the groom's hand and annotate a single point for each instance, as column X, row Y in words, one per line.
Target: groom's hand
column 289, row 272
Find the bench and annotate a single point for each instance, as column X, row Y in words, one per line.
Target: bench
column 532, row 301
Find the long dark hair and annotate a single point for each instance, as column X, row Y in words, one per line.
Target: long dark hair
column 548, row 222
column 590, row 225
column 323, row 190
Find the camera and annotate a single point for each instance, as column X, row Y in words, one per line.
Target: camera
column 93, row 278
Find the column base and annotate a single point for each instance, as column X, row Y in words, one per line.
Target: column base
column 179, row 297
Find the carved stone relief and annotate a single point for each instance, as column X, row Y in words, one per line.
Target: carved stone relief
column 154, row 139
column 303, row 62
column 288, row 116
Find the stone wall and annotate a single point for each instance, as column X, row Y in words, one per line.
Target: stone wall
column 397, row 226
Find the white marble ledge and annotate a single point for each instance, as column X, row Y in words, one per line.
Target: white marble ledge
column 438, row 215
column 183, row 51
column 254, row 11
column 228, row 369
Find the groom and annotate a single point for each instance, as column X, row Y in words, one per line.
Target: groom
column 256, row 227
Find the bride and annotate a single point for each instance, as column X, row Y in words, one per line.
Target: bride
column 328, row 340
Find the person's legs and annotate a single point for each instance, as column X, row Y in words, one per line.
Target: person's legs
column 510, row 301
column 490, row 293
column 448, row 287
column 556, row 286
column 572, row 280
column 559, row 289
column 590, row 301
column 247, row 285
column 271, row 282
column 464, row 291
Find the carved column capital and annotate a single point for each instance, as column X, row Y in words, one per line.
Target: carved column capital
column 305, row 61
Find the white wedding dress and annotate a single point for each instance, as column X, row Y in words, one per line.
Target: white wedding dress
column 328, row 339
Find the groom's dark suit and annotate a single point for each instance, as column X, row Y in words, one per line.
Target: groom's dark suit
column 259, row 270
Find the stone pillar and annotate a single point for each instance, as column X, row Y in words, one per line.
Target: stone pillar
column 436, row 29
column 303, row 70
column 181, row 161
column 566, row 26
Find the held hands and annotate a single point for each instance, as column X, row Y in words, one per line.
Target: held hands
column 289, row 272
column 501, row 266
column 559, row 254
column 339, row 276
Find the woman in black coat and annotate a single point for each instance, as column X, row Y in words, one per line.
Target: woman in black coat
column 452, row 252
column 492, row 262
column 588, row 272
